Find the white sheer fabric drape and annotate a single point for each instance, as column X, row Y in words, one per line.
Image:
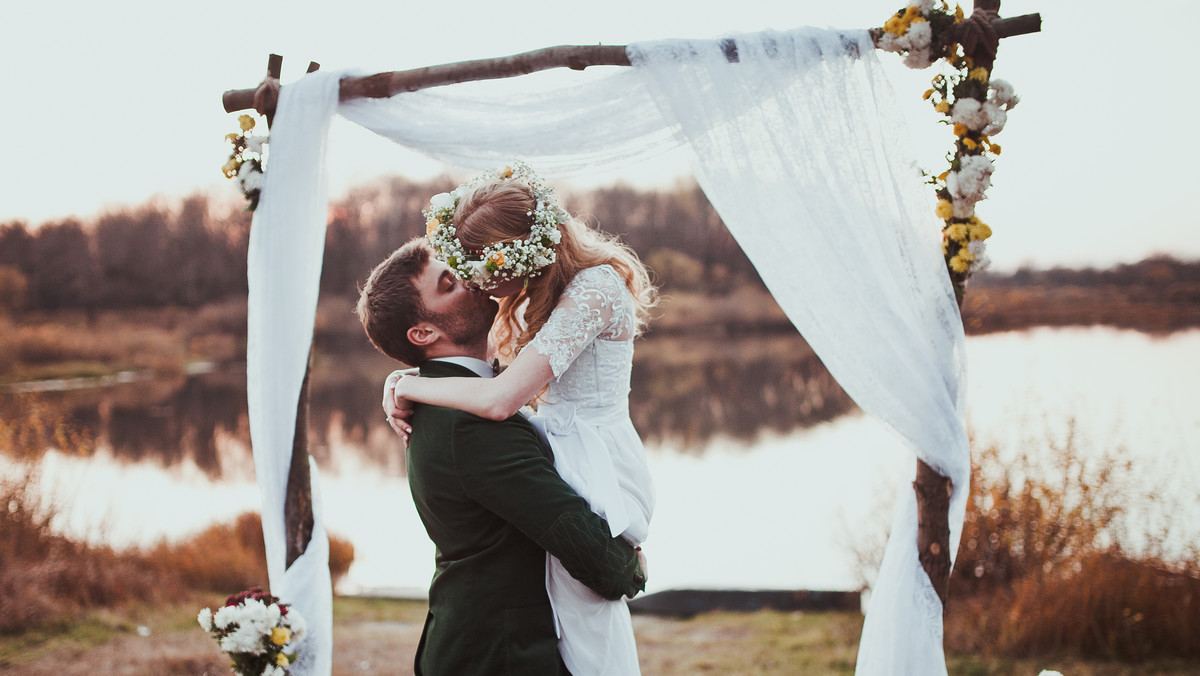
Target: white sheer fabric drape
column 800, row 148
column 287, row 239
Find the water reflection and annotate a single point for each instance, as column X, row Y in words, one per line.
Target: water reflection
column 684, row 391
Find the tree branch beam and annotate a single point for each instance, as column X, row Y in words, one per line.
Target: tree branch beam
column 575, row 57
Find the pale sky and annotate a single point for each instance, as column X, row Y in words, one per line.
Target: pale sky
column 111, row 104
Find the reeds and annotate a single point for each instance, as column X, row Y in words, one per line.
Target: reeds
column 1063, row 554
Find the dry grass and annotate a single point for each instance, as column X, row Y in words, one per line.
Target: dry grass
column 379, row 637
column 47, row 580
column 1045, row 566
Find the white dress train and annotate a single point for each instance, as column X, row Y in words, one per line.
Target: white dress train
column 585, row 419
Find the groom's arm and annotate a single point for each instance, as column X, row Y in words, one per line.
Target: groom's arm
column 502, row 466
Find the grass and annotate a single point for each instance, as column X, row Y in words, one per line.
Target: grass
column 379, row 636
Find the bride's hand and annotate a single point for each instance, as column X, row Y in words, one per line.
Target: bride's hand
column 395, row 406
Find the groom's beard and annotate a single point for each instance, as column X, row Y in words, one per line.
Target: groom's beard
column 470, row 326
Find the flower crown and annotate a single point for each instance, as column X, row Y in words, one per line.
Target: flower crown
column 499, row 262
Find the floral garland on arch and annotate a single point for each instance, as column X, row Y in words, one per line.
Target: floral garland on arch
column 247, row 161
column 976, row 107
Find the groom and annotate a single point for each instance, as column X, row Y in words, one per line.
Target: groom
column 486, row 491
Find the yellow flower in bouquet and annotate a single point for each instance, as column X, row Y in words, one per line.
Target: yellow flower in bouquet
column 945, row 209
column 246, row 122
column 431, row 226
column 280, row 635
column 980, row 230
column 979, row 74
column 281, row 660
column 957, row 232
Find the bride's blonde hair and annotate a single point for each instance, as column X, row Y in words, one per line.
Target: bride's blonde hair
column 499, row 211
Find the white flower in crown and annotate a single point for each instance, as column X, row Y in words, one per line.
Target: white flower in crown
column 499, row 262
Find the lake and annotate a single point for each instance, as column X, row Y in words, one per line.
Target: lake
column 767, row 475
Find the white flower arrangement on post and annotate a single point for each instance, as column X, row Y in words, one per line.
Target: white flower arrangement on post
column 259, row 633
column 247, row 162
column 975, row 106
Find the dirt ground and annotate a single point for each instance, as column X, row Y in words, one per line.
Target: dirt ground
column 375, row 637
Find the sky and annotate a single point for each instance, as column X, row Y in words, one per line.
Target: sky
column 116, row 103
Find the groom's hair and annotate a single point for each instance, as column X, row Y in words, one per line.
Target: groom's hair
column 389, row 304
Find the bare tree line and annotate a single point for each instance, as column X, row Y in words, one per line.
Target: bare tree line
column 194, row 252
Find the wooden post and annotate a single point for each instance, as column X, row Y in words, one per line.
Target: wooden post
column 298, row 503
column 980, row 37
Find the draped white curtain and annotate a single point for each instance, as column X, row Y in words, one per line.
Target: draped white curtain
column 801, row 149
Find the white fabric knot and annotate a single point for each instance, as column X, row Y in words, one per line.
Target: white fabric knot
column 559, row 418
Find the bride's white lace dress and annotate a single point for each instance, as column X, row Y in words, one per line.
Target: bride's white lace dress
column 585, row 418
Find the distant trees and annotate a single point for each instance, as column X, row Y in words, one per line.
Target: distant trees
column 194, row 252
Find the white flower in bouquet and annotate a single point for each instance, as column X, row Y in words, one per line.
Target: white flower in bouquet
column 972, row 179
column 996, row 119
column 255, row 143
column 925, row 6
column 205, row 618
column 298, row 626
column 1001, row 93
column 918, row 59
column 919, row 35
column 978, row 250
column 225, row 616
column 964, row 208
column 969, row 113
column 251, row 180
column 247, row 638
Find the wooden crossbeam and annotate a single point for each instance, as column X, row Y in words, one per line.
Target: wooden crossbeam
column 575, row 57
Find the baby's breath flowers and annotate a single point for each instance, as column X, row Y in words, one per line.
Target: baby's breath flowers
column 976, row 108
column 501, row 261
column 247, row 161
column 257, row 631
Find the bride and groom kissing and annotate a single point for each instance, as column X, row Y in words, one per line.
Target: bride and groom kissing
column 537, row 519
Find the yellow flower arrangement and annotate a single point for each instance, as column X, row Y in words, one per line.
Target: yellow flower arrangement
column 497, row 258
column 281, row 660
column 957, row 232
column 280, row 636
column 982, row 113
column 247, row 161
column 945, row 210
column 980, row 230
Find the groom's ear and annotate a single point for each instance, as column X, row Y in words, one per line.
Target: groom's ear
column 423, row 334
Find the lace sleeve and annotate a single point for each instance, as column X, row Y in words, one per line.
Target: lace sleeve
column 595, row 304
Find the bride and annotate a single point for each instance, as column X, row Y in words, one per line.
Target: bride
column 571, row 302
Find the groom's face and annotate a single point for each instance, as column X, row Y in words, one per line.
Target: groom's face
column 463, row 314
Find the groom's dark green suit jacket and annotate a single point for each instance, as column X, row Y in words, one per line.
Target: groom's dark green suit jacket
column 492, row 503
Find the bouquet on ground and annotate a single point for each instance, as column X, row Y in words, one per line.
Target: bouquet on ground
column 257, row 631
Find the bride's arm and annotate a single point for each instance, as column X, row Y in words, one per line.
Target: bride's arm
column 493, row 398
